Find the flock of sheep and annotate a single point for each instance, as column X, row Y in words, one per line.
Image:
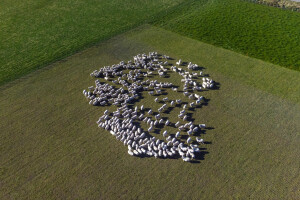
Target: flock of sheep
column 125, row 122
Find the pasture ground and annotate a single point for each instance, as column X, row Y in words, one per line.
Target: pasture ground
column 35, row 33
column 52, row 148
column 255, row 30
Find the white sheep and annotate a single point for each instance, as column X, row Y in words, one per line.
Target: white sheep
column 189, row 140
column 165, row 133
column 200, row 140
column 202, row 125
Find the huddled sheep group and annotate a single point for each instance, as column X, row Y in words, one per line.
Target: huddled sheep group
column 125, row 122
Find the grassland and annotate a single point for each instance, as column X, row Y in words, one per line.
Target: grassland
column 51, row 147
column 258, row 31
column 285, row 4
column 35, row 33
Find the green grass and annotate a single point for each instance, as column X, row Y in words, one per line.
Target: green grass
column 51, row 147
column 35, row 33
column 258, row 31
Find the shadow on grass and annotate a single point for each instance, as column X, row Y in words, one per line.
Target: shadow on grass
column 217, row 86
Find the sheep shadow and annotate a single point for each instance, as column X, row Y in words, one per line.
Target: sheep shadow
column 205, row 103
column 184, row 137
column 216, row 86
column 164, row 93
column 200, row 68
column 192, row 108
column 184, row 63
column 190, row 117
column 140, row 97
column 156, row 131
column 201, row 155
column 178, row 105
column 168, row 110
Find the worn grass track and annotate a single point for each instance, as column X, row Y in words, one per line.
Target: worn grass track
column 50, row 146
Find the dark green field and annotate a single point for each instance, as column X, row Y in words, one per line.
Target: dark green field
column 36, row 33
column 51, row 147
column 259, row 31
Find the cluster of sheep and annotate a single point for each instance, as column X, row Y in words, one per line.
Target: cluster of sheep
column 123, row 123
column 141, row 143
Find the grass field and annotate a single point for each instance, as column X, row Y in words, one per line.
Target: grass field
column 35, row 33
column 51, row 147
column 259, row 31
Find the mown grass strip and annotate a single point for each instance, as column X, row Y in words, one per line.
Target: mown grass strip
column 254, row 30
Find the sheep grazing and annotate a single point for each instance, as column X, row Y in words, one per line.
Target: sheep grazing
column 145, row 119
column 165, row 99
column 167, row 122
column 189, row 140
column 123, row 123
column 178, row 62
column 150, row 128
column 158, row 91
column 141, row 116
column 130, row 152
column 169, row 138
column 200, row 141
column 181, row 115
column 202, row 125
column 195, row 129
column 165, row 133
column 172, row 103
